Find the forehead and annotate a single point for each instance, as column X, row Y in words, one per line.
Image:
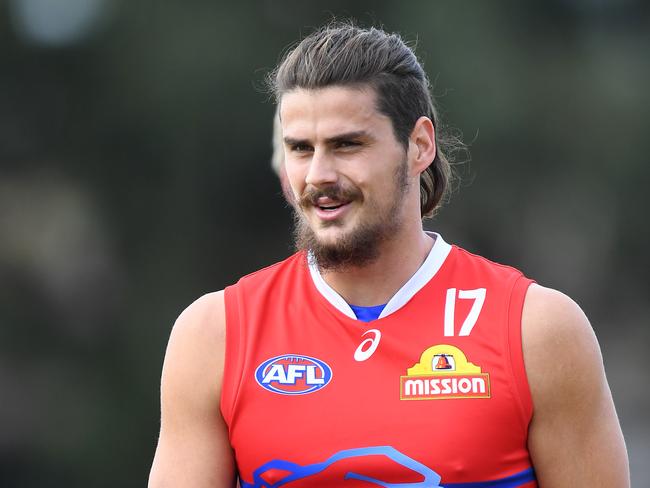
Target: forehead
column 308, row 113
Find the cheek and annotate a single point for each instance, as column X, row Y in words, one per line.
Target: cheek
column 286, row 187
column 293, row 181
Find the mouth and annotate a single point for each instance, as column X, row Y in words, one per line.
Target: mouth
column 329, row 205
column 328, row 209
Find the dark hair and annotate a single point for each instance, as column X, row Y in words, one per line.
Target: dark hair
column 341, row 53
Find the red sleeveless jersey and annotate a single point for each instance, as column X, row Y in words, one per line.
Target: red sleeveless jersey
column 433, row 393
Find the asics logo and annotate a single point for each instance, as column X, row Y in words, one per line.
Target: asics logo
column 368, row 346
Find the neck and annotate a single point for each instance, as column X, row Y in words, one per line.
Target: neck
column 377, row 282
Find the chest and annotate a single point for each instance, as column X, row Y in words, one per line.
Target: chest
column 408, row 396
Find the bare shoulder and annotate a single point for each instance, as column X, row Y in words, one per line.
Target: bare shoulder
column 193, row 448
column 553, row 323
column 574, row 437
column 561, row 352
column 203, row 320
column 194, row 357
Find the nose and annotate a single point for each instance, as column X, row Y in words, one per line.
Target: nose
column 322, row 170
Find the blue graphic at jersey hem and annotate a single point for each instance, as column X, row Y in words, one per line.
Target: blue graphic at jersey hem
column 513, row 481
column 431, row 478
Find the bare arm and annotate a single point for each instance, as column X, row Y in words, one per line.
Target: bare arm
column 575, row 439
column 193, row 450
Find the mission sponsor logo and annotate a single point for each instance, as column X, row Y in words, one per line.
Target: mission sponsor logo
column 444, row 372
column 293, row 374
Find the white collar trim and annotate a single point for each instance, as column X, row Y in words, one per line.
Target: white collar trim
column 422, row 276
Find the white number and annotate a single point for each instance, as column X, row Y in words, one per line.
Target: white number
column 360, row 354
column 477, row 295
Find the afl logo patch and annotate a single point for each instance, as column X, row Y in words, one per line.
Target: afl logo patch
column 293, row 374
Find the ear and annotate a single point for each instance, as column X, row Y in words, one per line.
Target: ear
column 422, row 145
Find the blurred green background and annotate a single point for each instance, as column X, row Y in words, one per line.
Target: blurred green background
column 134, row 177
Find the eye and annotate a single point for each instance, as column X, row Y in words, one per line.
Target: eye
column 300, row 148
column 347, row 144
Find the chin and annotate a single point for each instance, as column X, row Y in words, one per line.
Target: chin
column 328, row 239
column 331, row 232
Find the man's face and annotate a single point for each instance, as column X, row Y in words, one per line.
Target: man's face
column 347, row 173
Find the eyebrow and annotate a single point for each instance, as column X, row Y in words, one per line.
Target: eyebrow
column 347, row 136
column 290, row 141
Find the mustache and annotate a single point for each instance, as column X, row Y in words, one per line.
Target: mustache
column 334, row 192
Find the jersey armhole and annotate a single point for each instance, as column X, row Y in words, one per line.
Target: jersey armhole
column 231, row 378
column 515, row 347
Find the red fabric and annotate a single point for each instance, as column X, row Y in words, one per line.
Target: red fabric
column 278, row 311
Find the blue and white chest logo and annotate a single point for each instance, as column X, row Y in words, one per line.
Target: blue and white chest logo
column 293, row 374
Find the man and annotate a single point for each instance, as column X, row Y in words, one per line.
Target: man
column 378, row 354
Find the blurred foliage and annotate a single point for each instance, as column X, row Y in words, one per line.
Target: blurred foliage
column 134, row 177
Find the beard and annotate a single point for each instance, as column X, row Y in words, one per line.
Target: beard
column 361, row 245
